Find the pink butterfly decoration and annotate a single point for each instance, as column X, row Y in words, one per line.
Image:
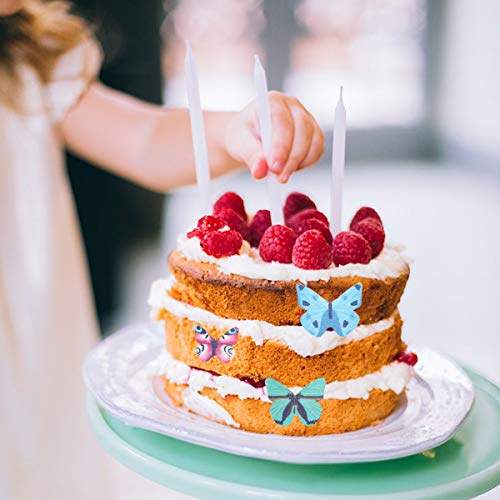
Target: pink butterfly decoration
column 209, row 347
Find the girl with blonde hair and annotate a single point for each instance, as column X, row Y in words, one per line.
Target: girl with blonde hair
column 49, row 98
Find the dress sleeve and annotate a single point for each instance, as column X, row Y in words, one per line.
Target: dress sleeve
column 72, row 74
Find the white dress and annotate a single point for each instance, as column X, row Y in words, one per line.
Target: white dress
column 47, row 320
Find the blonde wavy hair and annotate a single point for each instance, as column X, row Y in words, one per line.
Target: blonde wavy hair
column 37, row 36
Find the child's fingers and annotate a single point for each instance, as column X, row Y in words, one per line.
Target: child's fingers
column 297, row 141
column 316, row 148
column 282, row 124
column 302, row 138
column 250, row 151
column 259, row 168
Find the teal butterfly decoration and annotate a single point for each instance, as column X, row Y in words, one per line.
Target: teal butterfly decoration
column 322, row 314
column 304, row 404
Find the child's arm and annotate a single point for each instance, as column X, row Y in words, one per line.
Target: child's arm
column 152, row 146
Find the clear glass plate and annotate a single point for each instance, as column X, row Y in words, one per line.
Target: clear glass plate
column 120, row 372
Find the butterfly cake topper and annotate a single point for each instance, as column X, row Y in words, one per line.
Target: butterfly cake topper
column 322, row 314
column 210, row 347
column 286, row 404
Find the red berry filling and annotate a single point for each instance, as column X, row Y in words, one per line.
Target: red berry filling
column 258, row 384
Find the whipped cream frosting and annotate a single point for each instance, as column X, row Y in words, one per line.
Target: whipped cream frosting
column 294, row 337
column 389, row 264
column 394, row 377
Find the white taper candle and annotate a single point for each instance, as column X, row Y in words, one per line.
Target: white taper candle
column 338, row 162
column 197, row 131
column 264, row 112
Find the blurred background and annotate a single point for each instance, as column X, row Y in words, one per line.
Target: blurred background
column 422, row 91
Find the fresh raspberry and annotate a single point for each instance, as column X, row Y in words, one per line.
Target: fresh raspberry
column 350, row 248
column 260, row 222
column 410, row 358
column 206, row 224
column 297, row 219
column 276, row 244
column 373, row 232
column 296, row 202
column 312, row 251
column 221, row 243
column 364, row 213
column 194, row 233
column 231, row 200
column 317, row 224
column 234, row 221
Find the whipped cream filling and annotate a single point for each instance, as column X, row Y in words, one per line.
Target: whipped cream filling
column 395, row 377
column 389, row 264
column 294, row 337
column 207, row 407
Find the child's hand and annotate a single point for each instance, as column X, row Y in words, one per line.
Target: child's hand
column 153, row 146
column 297, row 140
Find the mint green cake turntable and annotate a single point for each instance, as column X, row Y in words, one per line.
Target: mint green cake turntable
column 463, row 467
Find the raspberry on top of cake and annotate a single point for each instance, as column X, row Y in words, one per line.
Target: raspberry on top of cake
column 303, row 248
column 304, row 241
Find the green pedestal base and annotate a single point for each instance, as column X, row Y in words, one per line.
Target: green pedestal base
column 465, row 466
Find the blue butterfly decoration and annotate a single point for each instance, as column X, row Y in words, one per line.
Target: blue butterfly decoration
column 304, row 404
column 322, row 314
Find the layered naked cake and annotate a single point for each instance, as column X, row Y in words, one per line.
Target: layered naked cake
column 283, row 329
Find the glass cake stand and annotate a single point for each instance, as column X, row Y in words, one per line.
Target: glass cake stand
column 465, row 466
